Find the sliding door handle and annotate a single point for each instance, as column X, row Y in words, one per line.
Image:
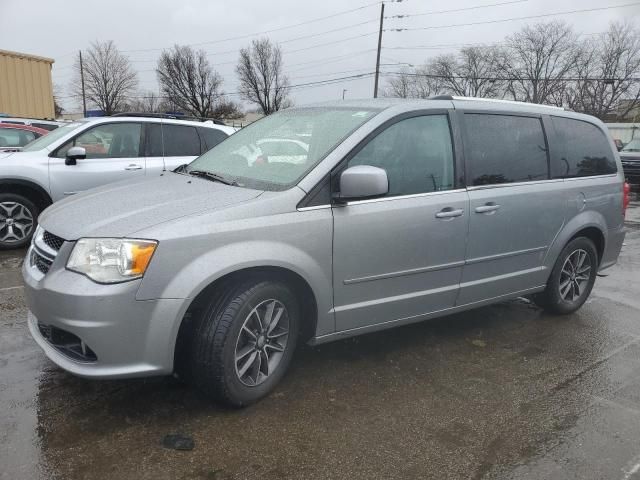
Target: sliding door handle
column 449, row 213
column 488, row 208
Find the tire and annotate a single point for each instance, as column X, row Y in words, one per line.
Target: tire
column 219, row 336
column 564, row 295
column 18, row 220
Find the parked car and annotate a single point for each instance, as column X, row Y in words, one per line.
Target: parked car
column 630, row 156
column 33, row 122
column 14, row 137
column 402, row 211
column 89, row 153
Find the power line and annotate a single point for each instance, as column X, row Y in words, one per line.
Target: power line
column 249, row 35
column 317, row 83
column 514, row 18
column 508, row 79
column 437, row 12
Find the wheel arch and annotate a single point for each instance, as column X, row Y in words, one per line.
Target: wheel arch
column 29, row 189
column 299, row 285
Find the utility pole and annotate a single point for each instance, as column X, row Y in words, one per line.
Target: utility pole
column 344, row 90
column 375, row 85
column 84, row 99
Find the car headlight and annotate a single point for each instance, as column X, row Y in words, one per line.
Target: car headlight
column 111, row 260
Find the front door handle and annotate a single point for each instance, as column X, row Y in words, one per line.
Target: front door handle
column 449, row 213
column 133, row 166
column 488, row 208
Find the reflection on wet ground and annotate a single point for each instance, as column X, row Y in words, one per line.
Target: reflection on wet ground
column 500, row 392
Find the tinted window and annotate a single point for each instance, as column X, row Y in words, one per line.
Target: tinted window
column 180, row 141
column 154, row 140
column 504, row 149
column 111, row 140
column 416, row 153
column 211, row 137
column 584, row 150
column 12, row 137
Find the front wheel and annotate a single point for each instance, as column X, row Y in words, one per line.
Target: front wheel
column 244, row 341
column 571, row 279
column 18, row 217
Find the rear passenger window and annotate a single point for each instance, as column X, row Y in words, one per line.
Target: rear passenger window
column 504, row 149
column 180, row 141
column 416, row 153
column 211, row 137
column 584, row 150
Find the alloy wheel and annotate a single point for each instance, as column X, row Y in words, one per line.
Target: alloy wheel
column 16, row 222
column 261, row 342
column 575, row 275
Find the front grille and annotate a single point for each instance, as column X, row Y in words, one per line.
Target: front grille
column 67, row 343
column 43, row 264
column 52, row 241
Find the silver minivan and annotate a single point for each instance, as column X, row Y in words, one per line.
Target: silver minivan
column 398, row 211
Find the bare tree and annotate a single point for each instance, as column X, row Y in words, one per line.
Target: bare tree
column 607, row 73
column 227, row 109
column 187, row 79
column 57, row 107
column 262, row 81
column 537, row 60
column 108, row 77
column 473, row 72
column 145, row 102
column 418, row 83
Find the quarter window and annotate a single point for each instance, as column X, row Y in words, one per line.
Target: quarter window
column 416, row 153
column 110, row 140
column 504, row 149
column 180, row 141
column 584, row 150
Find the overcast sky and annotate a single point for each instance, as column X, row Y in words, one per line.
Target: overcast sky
column 142, row 28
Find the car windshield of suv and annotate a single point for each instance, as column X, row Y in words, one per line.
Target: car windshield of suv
column 50, row 138
column 632, row 146
column 277, row 151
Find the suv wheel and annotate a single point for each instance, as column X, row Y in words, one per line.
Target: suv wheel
column 18, row 217
column 243, row 342
column 571, row 279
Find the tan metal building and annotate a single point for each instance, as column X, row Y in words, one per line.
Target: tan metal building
column 26, row 89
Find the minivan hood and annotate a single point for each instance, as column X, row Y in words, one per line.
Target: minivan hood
column 119, row 209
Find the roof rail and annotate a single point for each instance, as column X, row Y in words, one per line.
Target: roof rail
column 495, row 100
column 169, row 116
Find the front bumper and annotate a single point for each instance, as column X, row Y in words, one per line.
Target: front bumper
column 130, row 338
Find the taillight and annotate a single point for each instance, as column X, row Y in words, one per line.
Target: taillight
column 626, row 190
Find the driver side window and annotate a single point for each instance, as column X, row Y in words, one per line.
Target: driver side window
column 416, row 153
column 113, row 140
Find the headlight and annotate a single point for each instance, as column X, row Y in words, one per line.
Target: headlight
column 111, row 260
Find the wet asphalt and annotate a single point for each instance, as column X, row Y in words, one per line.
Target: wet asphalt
column 503, row 392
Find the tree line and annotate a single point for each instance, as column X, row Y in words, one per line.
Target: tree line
column 187, row 80
column 545, row 63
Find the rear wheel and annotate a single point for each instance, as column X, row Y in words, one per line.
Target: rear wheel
column 18, row 218
column 243, row 342
column 571, row 279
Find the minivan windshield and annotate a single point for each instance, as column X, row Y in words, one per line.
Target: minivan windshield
column 275, row 152
column 50, row 138
column 632, row 146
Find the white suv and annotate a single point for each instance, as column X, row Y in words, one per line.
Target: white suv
column 89, row 153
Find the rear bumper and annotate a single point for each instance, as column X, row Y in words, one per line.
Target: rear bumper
column 613, row 245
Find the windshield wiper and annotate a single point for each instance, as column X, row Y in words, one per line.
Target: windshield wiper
column 211, row 176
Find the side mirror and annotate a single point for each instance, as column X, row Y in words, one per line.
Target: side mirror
column 363, row 181
column 74, row 154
